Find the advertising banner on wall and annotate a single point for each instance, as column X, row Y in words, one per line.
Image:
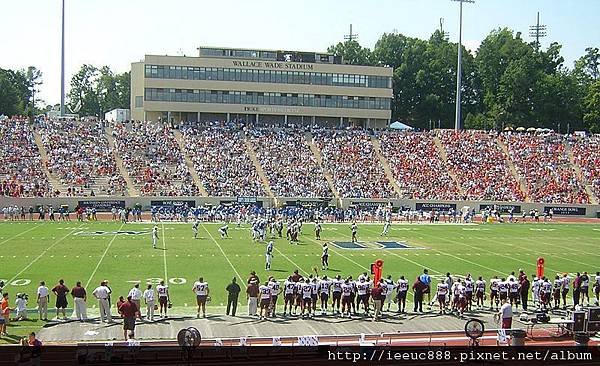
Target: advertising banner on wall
column 439, row 206
column 173, row 203
column 503, row 208
column 566, row 211
column 102, row 206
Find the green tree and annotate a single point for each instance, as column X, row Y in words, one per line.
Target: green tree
column 591, row 106
column 352, row 52
column 9, row 101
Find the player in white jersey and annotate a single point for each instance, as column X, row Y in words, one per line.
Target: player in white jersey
column 363, row 291
column 546, row 292
column 401, row 291
column 195, row 228
column 480, row 292
column 597, row 288
column 442, row 292
column 269, row 256
column 314, row 283
column 318, row 230
column 468, row 283
column 455, row 298
column 347, row 289
column 265, row 300
column 223, row 231
column 503, row 290
column 324, row 290
column 336, row 293
column 354, row 230
column 201, row 290
column 386, row 228
column 557, row 287
column 325, row 257
column 275, row 291
column 494, row 292
column 306, row 291
column 154, row 236
column 389, row 293
column 289, row 289
column 513, row 292
column 566, row 284
column 535, row 291
column 462, row 297
column 163, row 298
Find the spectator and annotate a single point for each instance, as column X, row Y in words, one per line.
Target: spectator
column 506, row 314
column 252, row 296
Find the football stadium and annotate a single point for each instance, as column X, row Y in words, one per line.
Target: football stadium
column 274, row 200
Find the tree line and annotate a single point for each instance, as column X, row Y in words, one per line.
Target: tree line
column 507, row 82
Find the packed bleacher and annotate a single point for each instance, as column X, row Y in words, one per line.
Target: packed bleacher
column 586, row 152
column 480, row 166
column 21, row 173
column 350, row 156
column 543, row 162
column 417, row 166
column 80, row 156
column 153, row 159
column 289, row 164
column 221, row 159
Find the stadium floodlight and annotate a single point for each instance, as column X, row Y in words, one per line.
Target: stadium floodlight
column 62, row 64
column 457, row 125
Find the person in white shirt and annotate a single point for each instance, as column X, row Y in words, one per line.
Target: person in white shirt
column 401, row 291
column 289, row 288
column 201, row 290
column 307, row 291
column 566, row 284
column 336, row 293
column 102, row 293
column 43, row 296
column 442, row 292
column 275, row 291
column 265, row 299
column 21, row 307
column 597, row 288
column 136, row 295
column 506, row 314
column 150, row 303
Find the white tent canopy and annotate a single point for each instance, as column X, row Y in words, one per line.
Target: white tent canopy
column 401, row 126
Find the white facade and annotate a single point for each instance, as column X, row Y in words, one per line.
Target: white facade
column 117, row 115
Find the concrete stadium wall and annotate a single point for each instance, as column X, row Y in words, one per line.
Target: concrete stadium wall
column 426, row 205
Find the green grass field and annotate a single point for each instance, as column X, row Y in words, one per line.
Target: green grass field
column 31, row 252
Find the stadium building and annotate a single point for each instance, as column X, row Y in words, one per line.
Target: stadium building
column 260, row 86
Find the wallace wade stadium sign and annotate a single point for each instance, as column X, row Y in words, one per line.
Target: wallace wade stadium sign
column 272, row 65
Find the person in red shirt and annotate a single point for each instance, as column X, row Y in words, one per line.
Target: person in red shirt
column 128, row 310
column 4, row 313
column 377, row 296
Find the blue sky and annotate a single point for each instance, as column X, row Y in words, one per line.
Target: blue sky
column 118, row 32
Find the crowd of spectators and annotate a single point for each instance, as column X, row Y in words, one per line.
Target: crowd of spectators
column 153, row 159
column 221, row 159
column 586, row 152
column 79, row 154
column 480, row 166
column 350, row 156
column 543, row 162
column 289, row 164
column 21, row 173
column 417, row 166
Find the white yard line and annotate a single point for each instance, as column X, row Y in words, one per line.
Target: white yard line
column 225, row 255
column 164, row 252
column 102, row 257
column 289, row 260
column 21, row 233
column 39, row 256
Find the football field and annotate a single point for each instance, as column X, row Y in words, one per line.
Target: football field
column 122, row 254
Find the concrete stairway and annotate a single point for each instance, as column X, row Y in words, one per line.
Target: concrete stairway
column 131, row 188
column 444, row 156
column 259, row 169
column 54, row 181
column 189, row 163
column 579, row 174
column 386, row 166
column 513, row 170
column 317, row 154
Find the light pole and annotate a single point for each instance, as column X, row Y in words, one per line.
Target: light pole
column 457, row 124
column 62, row 64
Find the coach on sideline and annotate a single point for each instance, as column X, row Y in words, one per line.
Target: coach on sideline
column 233, row 290
column 79, row 298
column 102, row 293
